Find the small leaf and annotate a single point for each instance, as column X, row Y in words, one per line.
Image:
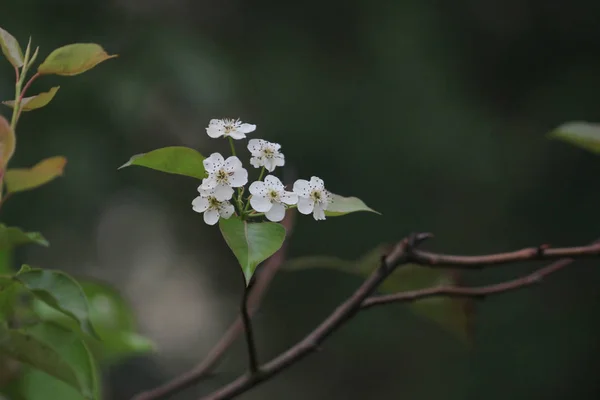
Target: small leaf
column 21, row 179
column 7, row 142
column 583, row 134
column 11, row 49
column 55, row 351
column 251, row 242
column 59, row 291
column 344, row 205
column 11, row 237
column 73, row 59
column 35, row 102
column 173, row 160
column 449, row 313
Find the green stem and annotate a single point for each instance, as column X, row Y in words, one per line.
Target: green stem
column 232, row 146
column 260, row 177
column 262, row 172
column 19, row 86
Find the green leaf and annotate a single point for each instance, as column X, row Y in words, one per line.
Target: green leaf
column 449, row 313
column 55, row 351
column 344, row 205
column 37, row 385
column 8, row 142
column 59, row 291
column 582, row 134
column 11, row 237
column 35, row 102
column 173, row 160
column 112, row 319
column 11, row 49
column 73, row 59
column 251, row 242
column 21, row 179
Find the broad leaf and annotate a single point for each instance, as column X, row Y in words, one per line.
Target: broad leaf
column 34, row 102
column 112, row 320
column 344, row 205
column 450, row 313
column 73, row 59
column 21, row 179
column 251, row 242
column 55, row 351
column 59, row 291
column 583, row 134
column 173, row 160
column 11, row 237
column 34, row 384
column 11, row 49
column 7, row 142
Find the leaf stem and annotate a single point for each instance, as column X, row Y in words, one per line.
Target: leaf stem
column 249, row 333
column 232, row 146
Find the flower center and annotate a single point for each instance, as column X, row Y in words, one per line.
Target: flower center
column 222, row 176
column 274, row 195
column 316, row 196
column 268, row 153
column 214, row 203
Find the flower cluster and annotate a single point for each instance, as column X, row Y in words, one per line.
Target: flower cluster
column 269, row 197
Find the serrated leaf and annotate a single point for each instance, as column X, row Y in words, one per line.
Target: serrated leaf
column 34, row 102
column 112, row 319
column 11, row 49
column 74, row 59
column 7, row 142
column 11, row 237
column 55, row 351
column 61, row 292
column 251, row 242
column 582, row 134
column 173, row 160
column 21, row 179
column 341, row 205
column 449, row 313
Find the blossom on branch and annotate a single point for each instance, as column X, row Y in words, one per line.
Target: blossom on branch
column 265, row 154
column 312, row 197
column 212, row 208
column 270, row 197
column 223, row 175
column 234, row 128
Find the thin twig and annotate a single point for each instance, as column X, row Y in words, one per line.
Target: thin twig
column 457, row 291
column 248, row 331
column 263, row 277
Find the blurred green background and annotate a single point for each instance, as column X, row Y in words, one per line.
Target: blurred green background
column 434, row 113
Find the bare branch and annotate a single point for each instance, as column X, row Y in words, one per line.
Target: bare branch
column 455, row 291
column 249, row 332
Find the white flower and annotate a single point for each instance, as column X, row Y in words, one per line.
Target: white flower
column 233, row 128
column 265, row 154
column 223, row 175
column 212, row 208
column 270, row 197
column 312, row 197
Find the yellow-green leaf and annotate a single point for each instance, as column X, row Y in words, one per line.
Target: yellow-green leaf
column 74, row 59
column 20, row 179
column 7, row 142
column 11, row 49
column 11, row 237
column 173, row 160
column 582, row 134
column 341, row 205
column 34, row 102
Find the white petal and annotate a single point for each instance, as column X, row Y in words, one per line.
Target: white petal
column 279, row 161
column 317, row 183
column 269, row 164
column 247, row 128
column 256, row 162
column 211, row 217
column 216, row 121
column 288, row 198
column 223, row 192
column 258, row 188
column 232, row 163
column 260, row 204
column 200, row 204
column 305, row 206
column 254, row 146
column 302, row 188
column 214, row 131
column 239, row 178
column 208, row 184
column 237, row 135
column 274, row 182
column 318, row 213
column 226, row 210
column 213, row 163
column 276, row 213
